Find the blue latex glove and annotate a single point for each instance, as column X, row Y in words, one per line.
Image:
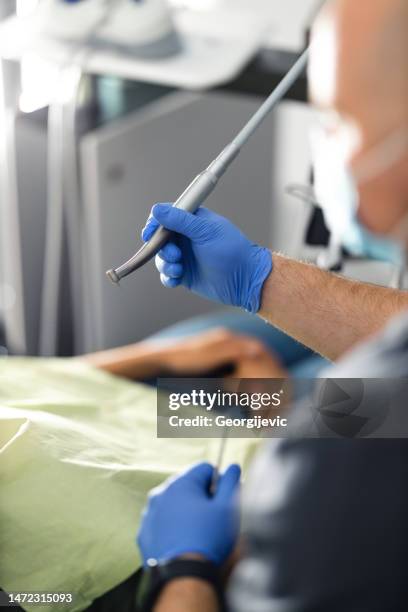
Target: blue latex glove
column 210, row 256
column 182, row 517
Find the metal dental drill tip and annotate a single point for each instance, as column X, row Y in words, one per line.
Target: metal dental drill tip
column 113, row 277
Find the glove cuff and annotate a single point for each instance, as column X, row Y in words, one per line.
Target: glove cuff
column 262, row 267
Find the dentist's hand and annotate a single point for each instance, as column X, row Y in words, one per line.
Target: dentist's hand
column 210, row 256
column 183, row 518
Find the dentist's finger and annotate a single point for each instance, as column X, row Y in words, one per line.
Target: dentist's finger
column 171, row 283
column 171, row 253
column 172, row 270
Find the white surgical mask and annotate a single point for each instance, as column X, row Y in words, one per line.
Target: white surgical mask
column 336, row 189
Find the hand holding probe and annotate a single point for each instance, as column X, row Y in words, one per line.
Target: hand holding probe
column 204, row 184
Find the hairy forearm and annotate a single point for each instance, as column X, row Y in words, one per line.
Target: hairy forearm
column 324, row 311
column 187, row 595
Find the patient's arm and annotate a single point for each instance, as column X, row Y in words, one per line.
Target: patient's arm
column 191, row 356
column 136, row 361
column 187, row 595
column 325, row 311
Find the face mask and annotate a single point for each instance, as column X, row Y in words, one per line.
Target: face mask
column 336, row 190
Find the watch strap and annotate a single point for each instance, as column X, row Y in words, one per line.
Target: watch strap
column 155, row 577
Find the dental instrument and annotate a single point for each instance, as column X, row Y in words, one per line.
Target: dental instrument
column 217, row 468
column 204, row 184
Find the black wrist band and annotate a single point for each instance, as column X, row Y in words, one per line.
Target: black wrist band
column 156, row 576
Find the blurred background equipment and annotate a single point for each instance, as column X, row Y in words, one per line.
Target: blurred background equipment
column 142, row 27
column 128, row 38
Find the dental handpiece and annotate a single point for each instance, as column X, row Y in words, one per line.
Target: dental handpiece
column 205, row 183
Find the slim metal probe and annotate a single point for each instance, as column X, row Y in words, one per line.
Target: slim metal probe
column 217, row 469
column 204, row 184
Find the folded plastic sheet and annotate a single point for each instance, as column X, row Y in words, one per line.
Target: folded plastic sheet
column 78, row 454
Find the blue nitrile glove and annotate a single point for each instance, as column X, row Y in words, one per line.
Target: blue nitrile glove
column 210, row 256
column 182, row 517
